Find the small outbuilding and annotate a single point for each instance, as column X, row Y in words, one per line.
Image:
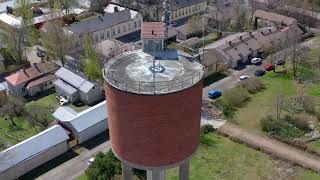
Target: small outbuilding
column 86, row 124
column 33, row 152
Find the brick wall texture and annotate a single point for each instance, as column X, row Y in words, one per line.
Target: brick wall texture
column 155, row 130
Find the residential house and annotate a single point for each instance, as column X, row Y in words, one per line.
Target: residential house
column 86, row 124
column 9, row 21
column 115, row 23
column 76, row 88
column 264, row 18
column 3, row 94
column 110, row 48
column 179, row 9
column 30, row 81
column 152, row 36
column 33, row 152
column 237, row 49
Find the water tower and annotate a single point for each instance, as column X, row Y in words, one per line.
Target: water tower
column 154, row 107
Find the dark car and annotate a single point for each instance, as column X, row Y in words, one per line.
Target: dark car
column 259, row 72
column 269, row 67
column 41, row 54
column 280, row 62
column 215, row 93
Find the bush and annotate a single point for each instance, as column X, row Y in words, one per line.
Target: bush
column 253, row 85
column 300, row 121
column 207, row 129
column 228, row 111
column 286, row 128
column 235, row 97
column 269, row 124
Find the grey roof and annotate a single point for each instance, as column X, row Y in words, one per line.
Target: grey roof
column 86, row 86
column 74, row 80
column 64, row 113
column 70, row 77
column 65, row 87
column 2, row 87
column 88, row 117
column 31, row 147
column 177, row 4
column 100, row 22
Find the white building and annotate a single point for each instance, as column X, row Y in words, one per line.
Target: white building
column 33, row 152
column 180, row 9
column 86, row 124
column 116, row 22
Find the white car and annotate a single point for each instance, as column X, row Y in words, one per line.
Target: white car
column 244, row 77
column 63, row 101
column 90, row 161
column 256, row 60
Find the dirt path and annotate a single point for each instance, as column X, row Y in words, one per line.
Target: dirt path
column 270, row 146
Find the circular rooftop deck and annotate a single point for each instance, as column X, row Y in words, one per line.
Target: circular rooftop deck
column 136, row 72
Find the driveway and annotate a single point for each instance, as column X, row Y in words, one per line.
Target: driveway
column 75, row 167
column 230, row 81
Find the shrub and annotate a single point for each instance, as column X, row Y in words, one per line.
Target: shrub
column 235, row 97
column 228, row 111
column 269, row 123
column 207, row 129
column 301, row 122
column 253, row 85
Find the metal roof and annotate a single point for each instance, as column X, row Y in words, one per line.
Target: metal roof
column 2, row 88
column 65, row 87
column 31, row 147
column 86, row 118
column 64, row 113
column 74, row 80
column 70, row 77
column 100, row 22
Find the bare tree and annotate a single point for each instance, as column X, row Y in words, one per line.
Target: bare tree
column 239, row 11
column 56, row 40
column 279, row 103
column 13, row 108
column 196, row 25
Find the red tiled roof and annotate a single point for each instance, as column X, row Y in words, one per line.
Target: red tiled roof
column 152, row 30
column 31, row 73
column 17, row 78
column 41, row 80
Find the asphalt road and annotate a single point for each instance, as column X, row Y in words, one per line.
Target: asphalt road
column 230, row 81
column 75, row 167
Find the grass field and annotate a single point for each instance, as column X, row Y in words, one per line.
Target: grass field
column 263, row 103
column 223, row 159
column 26, row 130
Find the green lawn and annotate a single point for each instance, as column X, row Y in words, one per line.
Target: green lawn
column 224, row 159
column 26, row 130
column 48, row 101
column 314, row 90
column 263, row 103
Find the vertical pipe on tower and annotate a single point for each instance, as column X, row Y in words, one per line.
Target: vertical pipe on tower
column 127, row 173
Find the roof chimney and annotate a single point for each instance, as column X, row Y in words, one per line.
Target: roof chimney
column 270, row 30
column 230, row 43
column 152, row 32
column 241, row 38
column 116, row 9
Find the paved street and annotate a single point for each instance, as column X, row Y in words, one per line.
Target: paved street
column 75, row 167
column 230, row 81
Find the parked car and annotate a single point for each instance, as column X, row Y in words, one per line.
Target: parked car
column 256, row 60
column 280, row 62
column 90, row 161
column 215, row 93
column 41, row 54
column 244, row 77
column 269, row 67
column 259, row 72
